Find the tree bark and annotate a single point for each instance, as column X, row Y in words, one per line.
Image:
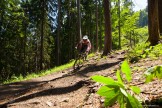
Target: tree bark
column 153, row 22
column 79, row 20
column 108, row 35
column 70, row 40
column 160, row 15
column 42, row 34
column 24, row 48
column 58, row 34
column 100, row 26
column 96, row 49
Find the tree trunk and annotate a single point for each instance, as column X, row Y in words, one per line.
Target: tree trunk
column 160, row 15
column 153, row 22
column 79, row 21
column 70, row 40
column 91, row 31
column 37, row 55
column 96, row 49
column 100, row 26
column 42, row 34
column 108, row 35
column 58, row 34
column 24, row 49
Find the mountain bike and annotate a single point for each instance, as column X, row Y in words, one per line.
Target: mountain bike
column 81, row 57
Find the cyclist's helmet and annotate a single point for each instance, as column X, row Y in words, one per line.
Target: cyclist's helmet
column 85, row 37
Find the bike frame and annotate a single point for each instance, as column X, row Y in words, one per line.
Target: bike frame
column 81, row 57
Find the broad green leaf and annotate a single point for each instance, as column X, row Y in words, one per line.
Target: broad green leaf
column 126, row 69
column 128, row 104
column 123, row 92
column 107, row 92
column 116, row 85
column 121, row 101
column 135, row 89
column 111, row 101
column 110, row 95
column 120, row 80
column 132, row 102
column 104, row 80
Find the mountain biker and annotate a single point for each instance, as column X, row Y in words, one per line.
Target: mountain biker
column 84, row 46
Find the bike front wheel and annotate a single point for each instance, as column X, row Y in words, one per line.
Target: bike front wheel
column 77, row 64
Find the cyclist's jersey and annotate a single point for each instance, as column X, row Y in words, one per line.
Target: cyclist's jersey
column 84, row 46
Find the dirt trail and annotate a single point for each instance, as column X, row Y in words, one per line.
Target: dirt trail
column 68, row 89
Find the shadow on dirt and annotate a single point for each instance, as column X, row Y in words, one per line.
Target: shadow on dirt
column 16, row 88
column 21, row 88
column 52, row 91
column 96, row 68
column 155, row 103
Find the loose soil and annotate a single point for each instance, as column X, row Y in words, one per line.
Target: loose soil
column 69, row 89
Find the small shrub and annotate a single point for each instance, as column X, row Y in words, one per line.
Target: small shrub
column 143, row 50
column 153, row 72
column 137, row 52
column 117, row 91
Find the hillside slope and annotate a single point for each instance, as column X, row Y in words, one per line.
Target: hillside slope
column 68, row 89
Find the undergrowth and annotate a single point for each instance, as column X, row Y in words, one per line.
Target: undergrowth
column 121, row 91
column 42, row 73
column 38, row 74
column 143, row 50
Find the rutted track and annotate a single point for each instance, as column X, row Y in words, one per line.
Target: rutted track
column 66, row 89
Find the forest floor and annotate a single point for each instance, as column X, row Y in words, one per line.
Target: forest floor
column 68, row 89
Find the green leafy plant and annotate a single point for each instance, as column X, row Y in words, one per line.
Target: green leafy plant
column 157, row 51
column 118, row 91
column 143, row 50
column 41, row 73
column 153, row 72
column 137, row 52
